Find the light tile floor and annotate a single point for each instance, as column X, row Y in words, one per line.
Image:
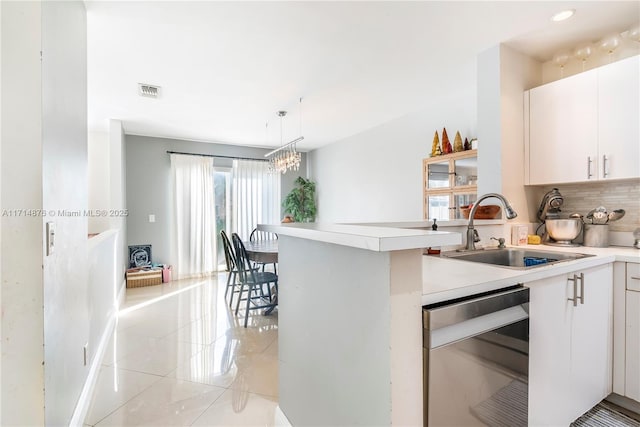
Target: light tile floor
column 179, row 356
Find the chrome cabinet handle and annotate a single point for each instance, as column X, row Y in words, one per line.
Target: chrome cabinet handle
column 574, row 279
column 589, row 161
column 635, row 278
column 605, row 172
column 581, row 288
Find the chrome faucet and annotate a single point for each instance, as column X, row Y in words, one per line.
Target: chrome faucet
column 472, row 233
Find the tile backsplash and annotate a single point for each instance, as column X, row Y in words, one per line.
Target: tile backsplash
column 612, row 195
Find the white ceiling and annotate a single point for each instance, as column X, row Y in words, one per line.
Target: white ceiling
column 225, row 68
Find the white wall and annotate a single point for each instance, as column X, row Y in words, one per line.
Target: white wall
column 45, row 298
column 64, row 189
column 118, row 192
column 518, row 73
column 377, row 174
column 22, row 244
column 0, row 190
column 104, row 293
column 107, row 187
column 99, row 179
column 489, row 124
column 503, row 75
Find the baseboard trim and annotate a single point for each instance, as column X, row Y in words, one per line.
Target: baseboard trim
column 280, row 419
column 82, row 407
column 121, row 294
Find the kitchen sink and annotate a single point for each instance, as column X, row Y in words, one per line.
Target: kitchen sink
column 514, row 258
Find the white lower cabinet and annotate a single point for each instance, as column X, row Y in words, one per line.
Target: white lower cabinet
column 632, row 333
column 570, row 348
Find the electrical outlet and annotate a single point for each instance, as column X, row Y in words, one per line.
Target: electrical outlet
column 152, row 218
column 51, row 234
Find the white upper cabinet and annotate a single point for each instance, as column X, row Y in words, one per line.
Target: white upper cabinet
column 564, row 129
column 585, row 127
column 619, row 119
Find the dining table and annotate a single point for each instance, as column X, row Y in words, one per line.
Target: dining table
column 264, row 252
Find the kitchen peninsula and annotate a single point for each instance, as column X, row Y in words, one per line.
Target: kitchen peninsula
column 350, row 339
column 350, row 332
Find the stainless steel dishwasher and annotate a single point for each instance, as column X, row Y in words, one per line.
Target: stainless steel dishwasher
column 476, row 357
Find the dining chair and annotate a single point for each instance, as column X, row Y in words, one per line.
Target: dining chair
column 262, row 236
column 252, row 282
column 232, row 270
column 259, row 235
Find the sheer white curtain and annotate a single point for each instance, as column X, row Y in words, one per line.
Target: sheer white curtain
column 193, row 243
column 256, row 196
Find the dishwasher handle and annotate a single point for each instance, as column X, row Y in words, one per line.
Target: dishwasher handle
column 447, row 323
column 474, row 327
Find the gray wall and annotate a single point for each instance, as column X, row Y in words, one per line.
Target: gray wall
column 148, row 189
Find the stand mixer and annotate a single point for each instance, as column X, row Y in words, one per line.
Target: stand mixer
column 550, row 206
column 563, row 229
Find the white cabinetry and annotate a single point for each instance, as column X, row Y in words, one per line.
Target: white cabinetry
column 619, row 120
column 570, row 355
column 585, row 127
column 632, row 360
column 563, row 129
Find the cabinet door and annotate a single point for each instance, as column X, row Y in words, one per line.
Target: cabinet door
column 563, row 130
column 618, row 124
column 592, row 341
column 438, row 175
column 438, row 207
column 570, row 347
column 632, row 369
column 462, row 199
column 550, row 317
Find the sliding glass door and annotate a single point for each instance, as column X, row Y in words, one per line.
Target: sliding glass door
column 222, row 200
column 255, row 195
column 208, row 199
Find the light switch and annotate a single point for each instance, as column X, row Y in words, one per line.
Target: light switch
column 152, row 218
column 51, row 234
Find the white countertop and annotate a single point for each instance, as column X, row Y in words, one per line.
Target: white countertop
column 426, row 224
column 446, row 278
column 373, row 238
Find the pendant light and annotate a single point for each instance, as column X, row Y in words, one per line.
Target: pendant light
column 285, row 157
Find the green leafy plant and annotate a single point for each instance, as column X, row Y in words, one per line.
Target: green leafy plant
column 301, row 201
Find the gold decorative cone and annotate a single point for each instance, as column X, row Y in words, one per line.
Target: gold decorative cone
column 457, row 143
column 435, row 146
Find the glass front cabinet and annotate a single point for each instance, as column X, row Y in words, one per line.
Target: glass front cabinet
column 449, row 182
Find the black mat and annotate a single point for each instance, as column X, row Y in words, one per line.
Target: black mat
column 602, row 415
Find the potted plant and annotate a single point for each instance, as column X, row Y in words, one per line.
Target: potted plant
column 300, row 203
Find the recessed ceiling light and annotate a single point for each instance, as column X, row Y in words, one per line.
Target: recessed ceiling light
column 561, row 16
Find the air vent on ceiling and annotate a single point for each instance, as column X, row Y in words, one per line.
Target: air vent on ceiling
column 147, row 90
